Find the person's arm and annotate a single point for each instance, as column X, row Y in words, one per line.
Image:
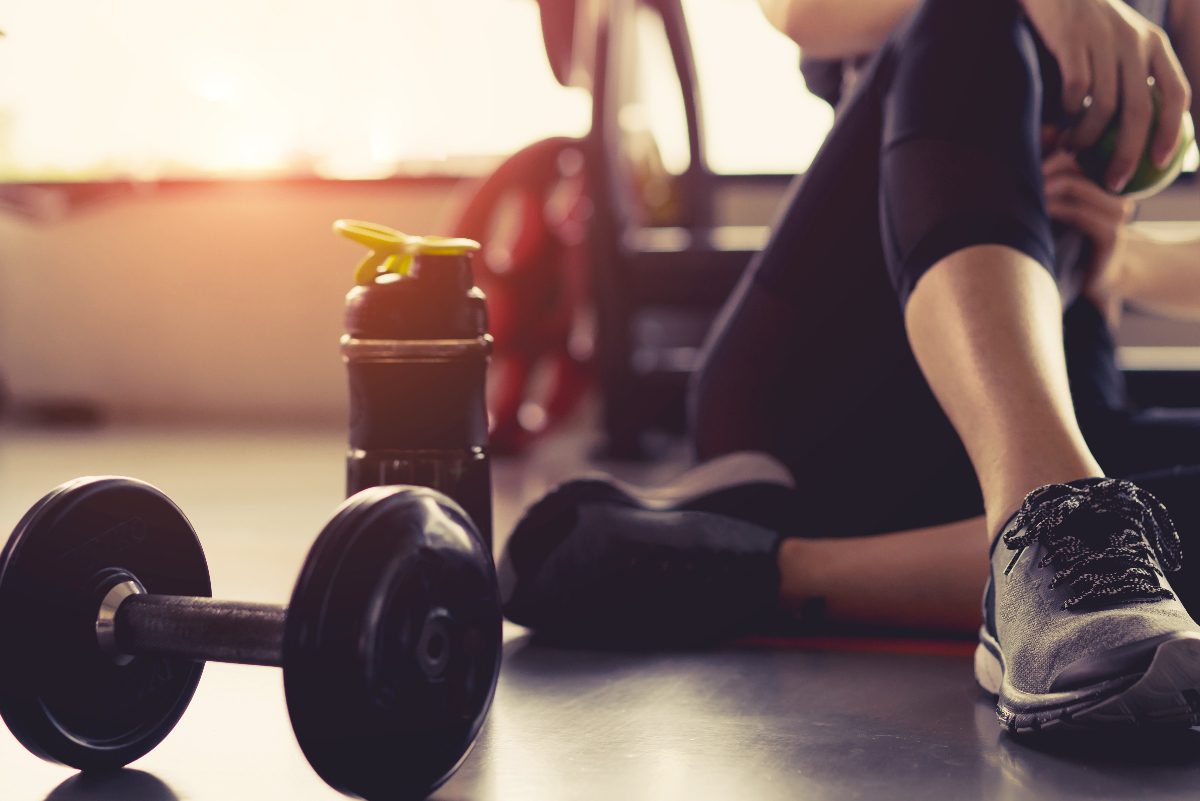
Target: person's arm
column 1161, row 274
column 1130, row 263
column 836, row 28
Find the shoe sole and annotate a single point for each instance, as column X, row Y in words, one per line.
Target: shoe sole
column 1165, row 695
column 721, row 473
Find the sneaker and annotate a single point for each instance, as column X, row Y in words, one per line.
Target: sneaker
column 1081, row 626
column 603, row 562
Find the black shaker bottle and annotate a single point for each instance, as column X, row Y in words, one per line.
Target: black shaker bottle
column 416, row 348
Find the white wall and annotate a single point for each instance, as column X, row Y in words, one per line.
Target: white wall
column 201, row 301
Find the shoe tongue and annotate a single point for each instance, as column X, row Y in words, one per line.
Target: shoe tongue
column 1090, row 530
column 1047, row 494
column 1091, row 525
column 1094, row 527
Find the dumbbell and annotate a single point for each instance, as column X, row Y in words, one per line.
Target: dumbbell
column 390, row 646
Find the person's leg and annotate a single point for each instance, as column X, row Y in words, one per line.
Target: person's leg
column 933, row 169
column 1079, row 624
column 808, row 359
column 975, row 269
column 932, row 577
column 985, row 324
column 871, row 579
column 928, row 578
column 1076, row 603
column 808, row 363
column 866, row 457
column 813, row 322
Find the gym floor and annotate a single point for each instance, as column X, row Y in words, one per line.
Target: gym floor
column 838, row 719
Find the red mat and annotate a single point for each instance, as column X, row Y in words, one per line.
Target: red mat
column 871, row 645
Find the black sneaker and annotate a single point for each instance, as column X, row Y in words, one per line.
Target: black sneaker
column 599, row 561
column 1081, row 627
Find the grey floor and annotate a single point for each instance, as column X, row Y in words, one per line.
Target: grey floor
column 791, row 721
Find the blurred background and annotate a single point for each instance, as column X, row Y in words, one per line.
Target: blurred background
column 170, row 172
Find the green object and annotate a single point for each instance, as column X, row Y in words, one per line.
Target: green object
column 1148, row 178
column 393, row 251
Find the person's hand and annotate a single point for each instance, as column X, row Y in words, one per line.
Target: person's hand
column 1073, row 199
column 1108, row 53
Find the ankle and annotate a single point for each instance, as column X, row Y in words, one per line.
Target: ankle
column 1002, row 502
column 798, row 578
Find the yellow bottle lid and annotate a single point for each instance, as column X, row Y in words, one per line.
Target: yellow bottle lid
column 392, row 251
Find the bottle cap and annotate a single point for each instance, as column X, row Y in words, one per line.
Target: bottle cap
column 392, row 251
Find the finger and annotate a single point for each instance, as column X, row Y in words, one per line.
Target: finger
column 1058, row 162
column 1136, row 113
column 1128, row 208
column 1079, row 218
column 1080, row 191
column 1174, row 98
column 1076, row 69
column 1096, row 224
column 1100, row 222
column 1104, row 99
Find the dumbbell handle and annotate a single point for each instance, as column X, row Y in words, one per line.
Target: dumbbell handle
column 195, row 628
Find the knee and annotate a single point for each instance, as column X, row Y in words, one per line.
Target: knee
column 965, row 71
column 979, row 22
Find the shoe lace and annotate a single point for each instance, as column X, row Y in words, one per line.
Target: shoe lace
column 1115, row 555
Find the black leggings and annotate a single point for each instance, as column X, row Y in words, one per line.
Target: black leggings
column 937, row 149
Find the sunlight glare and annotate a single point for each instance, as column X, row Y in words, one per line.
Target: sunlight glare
column 758, row 115
column 140, row 88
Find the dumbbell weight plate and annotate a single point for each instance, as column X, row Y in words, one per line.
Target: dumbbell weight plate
column 393, row 642
column 61, row 696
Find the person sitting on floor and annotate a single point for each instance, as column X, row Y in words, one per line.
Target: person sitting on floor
column 912, row 394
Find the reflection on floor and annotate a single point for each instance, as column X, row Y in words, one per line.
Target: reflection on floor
column 773, row 721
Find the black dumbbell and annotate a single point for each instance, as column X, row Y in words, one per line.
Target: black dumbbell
column 390, row 647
